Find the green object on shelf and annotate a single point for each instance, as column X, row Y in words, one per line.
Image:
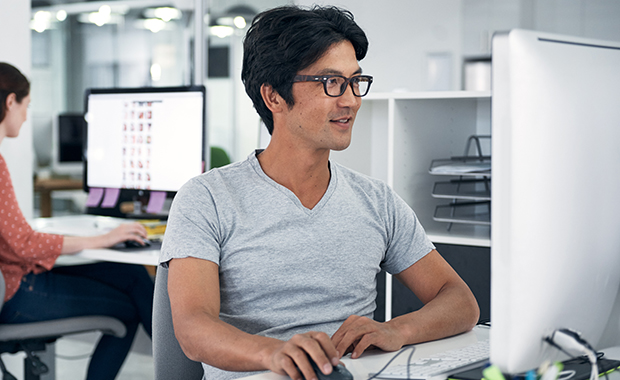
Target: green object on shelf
column 219, row 157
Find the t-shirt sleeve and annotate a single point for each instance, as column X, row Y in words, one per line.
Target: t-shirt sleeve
column 193, row 228
column 407, row 240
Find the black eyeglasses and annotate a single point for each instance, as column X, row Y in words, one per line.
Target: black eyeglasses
column 336, row 85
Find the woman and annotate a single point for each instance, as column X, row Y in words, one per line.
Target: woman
column 38, row 291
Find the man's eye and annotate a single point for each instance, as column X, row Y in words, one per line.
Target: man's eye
column 332, row 81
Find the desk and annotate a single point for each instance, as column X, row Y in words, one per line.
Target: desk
column 46, row 186
column 372, row 361
column 89, row 225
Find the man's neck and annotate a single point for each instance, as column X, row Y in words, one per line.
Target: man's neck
column 304, row 173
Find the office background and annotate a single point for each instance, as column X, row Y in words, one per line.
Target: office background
column 416, row 45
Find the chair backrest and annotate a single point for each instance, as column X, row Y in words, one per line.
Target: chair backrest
column 32, row 337
column 170, row 361
column 2, row 290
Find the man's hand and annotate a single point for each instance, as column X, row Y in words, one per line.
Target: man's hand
column 360, row 333
column 292, row 356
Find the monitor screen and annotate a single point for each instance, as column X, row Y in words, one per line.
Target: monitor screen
column 144, row 139
column 555, row 241
column 68, row 143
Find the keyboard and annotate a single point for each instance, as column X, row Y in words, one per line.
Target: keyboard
column 441, row 365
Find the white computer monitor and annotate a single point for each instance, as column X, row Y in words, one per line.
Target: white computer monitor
column 555, row 238
column 144, row 138
column 68, row 144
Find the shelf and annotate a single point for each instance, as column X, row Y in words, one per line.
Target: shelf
column 467, row 189
column 464, row 167
column 428, row 95
column 397, row 135
column 466, row 212
column 461, row 234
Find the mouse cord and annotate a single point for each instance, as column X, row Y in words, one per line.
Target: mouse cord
column 412, row 348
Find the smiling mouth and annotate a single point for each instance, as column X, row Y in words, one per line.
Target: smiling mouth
column 343, row 121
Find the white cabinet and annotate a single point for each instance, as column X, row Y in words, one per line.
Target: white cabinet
column 397, row 135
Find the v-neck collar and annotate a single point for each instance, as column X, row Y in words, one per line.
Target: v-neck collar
column 331, row 187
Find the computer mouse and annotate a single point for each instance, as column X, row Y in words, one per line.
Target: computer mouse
column 135, row 244
column 339, row 372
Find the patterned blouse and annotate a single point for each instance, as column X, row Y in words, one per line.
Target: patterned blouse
column 22, row 250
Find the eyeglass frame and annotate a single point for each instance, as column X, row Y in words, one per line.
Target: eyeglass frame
column 343, row 87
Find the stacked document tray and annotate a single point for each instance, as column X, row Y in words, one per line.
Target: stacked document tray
column 469, row 189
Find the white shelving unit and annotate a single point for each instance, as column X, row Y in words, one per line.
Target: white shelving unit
column 395, row 138
column 397, row 135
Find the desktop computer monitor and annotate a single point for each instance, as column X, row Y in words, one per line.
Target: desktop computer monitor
column 555, row 238
column 67, row 144
column 144, row 138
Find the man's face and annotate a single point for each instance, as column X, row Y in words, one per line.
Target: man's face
column 318, row 121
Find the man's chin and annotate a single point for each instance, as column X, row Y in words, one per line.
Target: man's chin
column 341, row 147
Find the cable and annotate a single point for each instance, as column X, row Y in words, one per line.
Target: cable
column 412, row 348
column 569, row 340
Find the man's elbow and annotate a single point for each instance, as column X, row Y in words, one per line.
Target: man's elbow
column 189, row 348
column 470, row 312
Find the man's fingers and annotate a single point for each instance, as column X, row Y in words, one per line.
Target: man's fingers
column 313, row 346
column 291, row 369
column 343, row 339
column 362, row 345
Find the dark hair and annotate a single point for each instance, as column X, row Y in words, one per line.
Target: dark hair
column 11, row 81
column 284, row 40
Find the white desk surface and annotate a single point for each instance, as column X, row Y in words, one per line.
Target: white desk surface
column 89, row 225
column 372, row 361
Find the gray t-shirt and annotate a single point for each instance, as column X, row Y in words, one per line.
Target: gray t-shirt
column 285, row 269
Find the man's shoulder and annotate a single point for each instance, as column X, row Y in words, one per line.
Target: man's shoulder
column 218, row 179
column 229, row 172
column 358, row 179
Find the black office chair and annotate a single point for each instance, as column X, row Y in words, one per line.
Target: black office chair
column 170, row 361
column 34, row 336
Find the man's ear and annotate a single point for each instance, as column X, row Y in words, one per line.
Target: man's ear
column 272, row 99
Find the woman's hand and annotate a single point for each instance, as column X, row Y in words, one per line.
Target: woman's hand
column 126, row 231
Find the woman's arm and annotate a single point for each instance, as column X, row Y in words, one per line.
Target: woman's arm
column 127, row 231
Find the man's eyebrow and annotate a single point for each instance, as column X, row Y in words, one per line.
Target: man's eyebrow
column 329, row 71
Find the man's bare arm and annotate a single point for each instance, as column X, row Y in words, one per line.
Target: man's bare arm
column 449, row 308
column 193, row 287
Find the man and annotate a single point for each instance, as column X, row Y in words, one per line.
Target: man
column 275, row 258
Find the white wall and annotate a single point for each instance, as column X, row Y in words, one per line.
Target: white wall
column 15, row 49
column 403, row 35
column 583, row 18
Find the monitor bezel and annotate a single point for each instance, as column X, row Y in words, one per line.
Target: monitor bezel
column 554, row 241
column 71, row 168
column 143, row 90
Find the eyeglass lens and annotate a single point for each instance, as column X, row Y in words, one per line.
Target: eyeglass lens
column 336, row 86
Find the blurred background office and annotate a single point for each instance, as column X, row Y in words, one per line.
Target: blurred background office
column 65, row 47
column 416, row 45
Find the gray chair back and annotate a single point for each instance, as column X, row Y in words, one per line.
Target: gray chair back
column 170, row 361
column 33, row 337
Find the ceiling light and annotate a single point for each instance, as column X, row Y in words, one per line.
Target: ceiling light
column 167, row 13
column 239, row 22
column 154, row 24
column 221, row 31
column 41, row 21
column 61, row 15
column 101, row 17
